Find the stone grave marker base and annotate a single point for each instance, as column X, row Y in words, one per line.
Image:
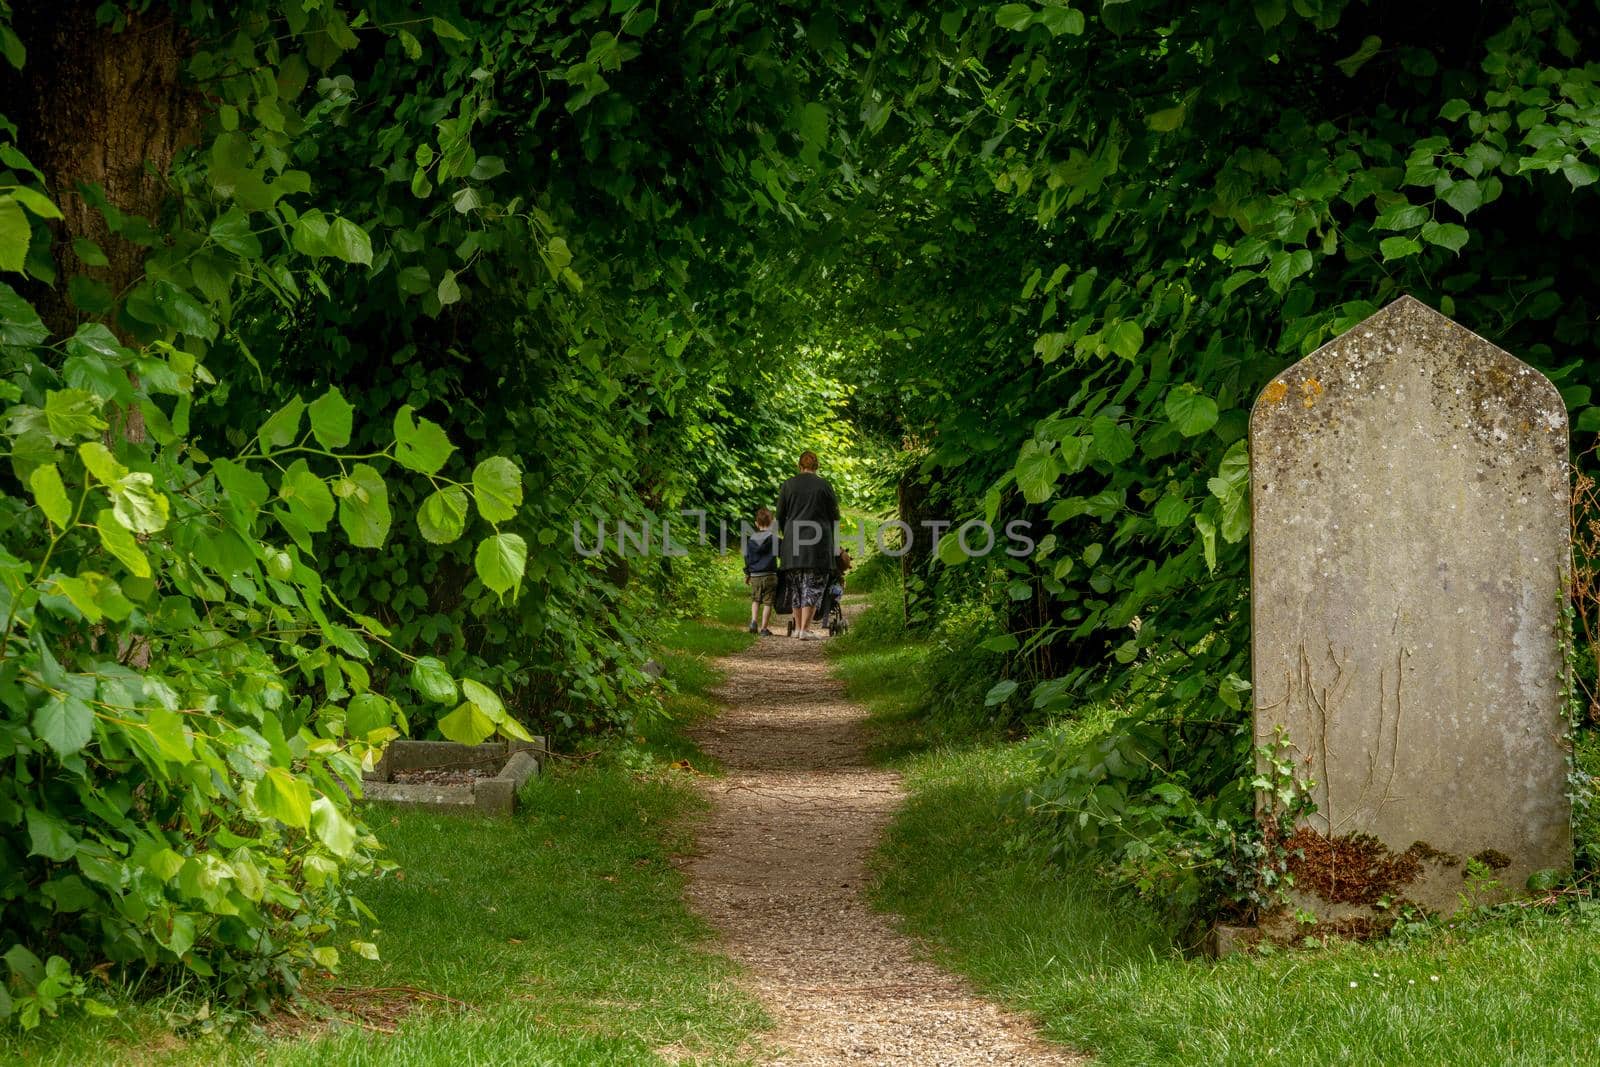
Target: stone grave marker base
column 513, row 764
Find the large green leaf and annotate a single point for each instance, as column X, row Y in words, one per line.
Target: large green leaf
column 421, row 444
column 363, row 506
column 497, row 489
column 65, row 721
column 432, row 680
column 282, row 796
column 500, row 561
column 1190, row 410
column 308, row 496
column 50, row 494
column 331, row 419
column 443, row 515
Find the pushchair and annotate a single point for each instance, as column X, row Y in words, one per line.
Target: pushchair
column 830, row 611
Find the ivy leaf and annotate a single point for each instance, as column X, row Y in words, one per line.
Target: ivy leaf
column 422, row 445
column 443, row 516
column 331, row 419
column 282, row 796
column 1191, row 411
column 364, row 506
column 497, row 488
column 500, row 562
column 431, row 678
column 51, row 494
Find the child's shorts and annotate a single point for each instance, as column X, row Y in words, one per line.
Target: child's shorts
column 764, row 588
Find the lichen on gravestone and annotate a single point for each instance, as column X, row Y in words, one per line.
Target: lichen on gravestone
column 1409, row 550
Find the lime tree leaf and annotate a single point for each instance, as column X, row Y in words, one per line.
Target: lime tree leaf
column 1171, row 510
column 308, row 496
column 170, row 736
column 137, row 505
column 1036, row 471
column 1191, row 411
column 1398, row 247
column 500, row 561
column 15, row 232
column 283, row 427
column 1013, row 16
column 48, row 836
column 443, row 516
column 367, row 712
column 1126, row 339
column 72, row 413
column 420, row 445
column 999, row 692
column 349, row 242
column 449, row 290
column 331, row 417
column 1446, row 235
column 1208, row 539
column 1167, row 119
column 1466, row 196
column 183, row 312
column 115, row 539
column 497, row 488
column 241, row 485
column 282, row 796
column 332, row 828
column 51, row 494
column 1270, row 12
column 1113, row 442
column 1285, row 267
column 364, row 506
column 65, row 721
column 950, row 552
column 432, row 680
column 466, row 725
column 99, row 461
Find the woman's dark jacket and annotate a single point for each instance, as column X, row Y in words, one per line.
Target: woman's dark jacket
column 807, row 512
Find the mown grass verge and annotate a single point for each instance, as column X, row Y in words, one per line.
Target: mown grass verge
column 1102, row 974
column 558, row 936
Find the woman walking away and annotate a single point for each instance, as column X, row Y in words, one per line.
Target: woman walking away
column 761, row 570
column 808, row 513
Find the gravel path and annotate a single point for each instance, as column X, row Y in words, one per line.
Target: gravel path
column 780, row 870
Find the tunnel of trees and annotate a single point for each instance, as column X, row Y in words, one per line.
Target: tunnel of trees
column 323, row 325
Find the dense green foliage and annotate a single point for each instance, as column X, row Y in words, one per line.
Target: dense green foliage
column 566, row 265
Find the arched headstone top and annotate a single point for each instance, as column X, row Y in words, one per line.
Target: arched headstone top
column 1403, row 355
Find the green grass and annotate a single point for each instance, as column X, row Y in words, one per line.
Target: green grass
column 1103, row 975
column 562, row 929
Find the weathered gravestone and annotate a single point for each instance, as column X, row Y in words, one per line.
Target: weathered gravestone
column 1409, row 551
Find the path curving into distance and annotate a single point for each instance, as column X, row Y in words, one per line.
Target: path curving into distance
column 780, row 871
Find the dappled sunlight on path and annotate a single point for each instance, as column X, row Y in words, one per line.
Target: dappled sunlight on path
column 780, row 870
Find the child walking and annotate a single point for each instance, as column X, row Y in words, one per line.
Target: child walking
column 761, row 571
